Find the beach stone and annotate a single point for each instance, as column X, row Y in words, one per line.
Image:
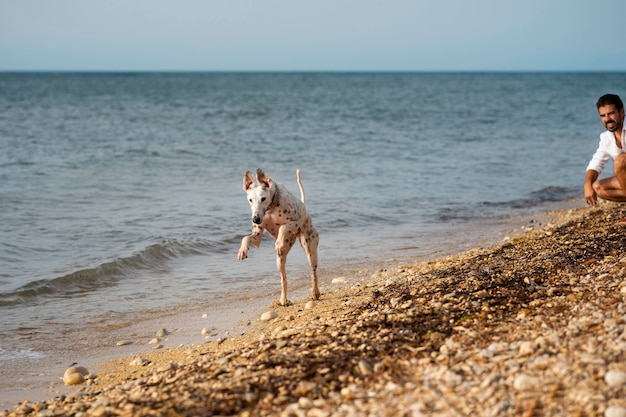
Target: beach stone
column 309, row 305
column 139, row 361
column 269, row 315
column 305, row 403
column 75, row 375
column 162, row 332
column 614, row 411
column 525, row 382
column 365, row 368
column 338, row 280
column 615, row 378
column 526, row 348
column 280, row 329
column 124, row 343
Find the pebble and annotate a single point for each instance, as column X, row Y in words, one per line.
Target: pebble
column 139, row 361
column 162, row 332
column 75, row 375
column 269, row 315
column 338, row 280
column 525, row 382
column 615, row 378
column 124, row 343
column 309, row 305
column 614, row 411
column 526, row 348
column 365, row 368
column 280, row 329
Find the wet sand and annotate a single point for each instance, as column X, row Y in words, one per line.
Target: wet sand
column 531, row 326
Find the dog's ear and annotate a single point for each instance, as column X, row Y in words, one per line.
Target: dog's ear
column 262, row 179
column 248, row 181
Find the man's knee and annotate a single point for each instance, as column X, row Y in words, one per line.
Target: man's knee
column 597, row 187
column 620, row 163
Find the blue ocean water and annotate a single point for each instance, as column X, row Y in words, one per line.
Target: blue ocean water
column 121, row 193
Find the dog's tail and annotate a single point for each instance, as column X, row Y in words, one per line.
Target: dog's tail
column 300, row 185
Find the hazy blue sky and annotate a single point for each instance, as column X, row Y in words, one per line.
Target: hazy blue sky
column 293, row 35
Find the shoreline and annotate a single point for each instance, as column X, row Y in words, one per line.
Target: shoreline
column 402, row 322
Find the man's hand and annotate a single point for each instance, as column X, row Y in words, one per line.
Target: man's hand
column 591, row 197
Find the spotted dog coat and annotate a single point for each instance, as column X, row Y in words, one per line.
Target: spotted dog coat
column 285, row 218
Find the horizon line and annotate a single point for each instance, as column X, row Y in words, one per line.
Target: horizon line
column 157, row 71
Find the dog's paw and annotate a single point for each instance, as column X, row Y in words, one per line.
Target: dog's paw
column 316, row 294
column 243, row 254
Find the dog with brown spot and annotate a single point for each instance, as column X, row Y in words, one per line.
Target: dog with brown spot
column 286, row 219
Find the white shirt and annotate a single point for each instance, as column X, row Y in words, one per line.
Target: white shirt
column 607, row 149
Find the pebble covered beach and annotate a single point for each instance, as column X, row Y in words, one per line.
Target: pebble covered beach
column 533, row 326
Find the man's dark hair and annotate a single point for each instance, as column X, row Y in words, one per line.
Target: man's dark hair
column 609, row 99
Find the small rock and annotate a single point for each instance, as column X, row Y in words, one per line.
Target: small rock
column 75, row 375
column 614, row 411
column 154, row 341
column 525, row 383
column 615, row 378
column 526, row 348
column 269, row 315
column 365, row 368
column 123, row 343
column 162, row 332
column 138, row 361
column 309, row 305
column 206, row 331
column 280, row 329
column 305, row 403
column 339, row 280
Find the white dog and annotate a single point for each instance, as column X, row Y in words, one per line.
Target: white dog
column 285, row 218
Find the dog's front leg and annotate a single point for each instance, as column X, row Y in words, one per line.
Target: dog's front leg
column 287, row 235
column 284, row 242
column 254, row 238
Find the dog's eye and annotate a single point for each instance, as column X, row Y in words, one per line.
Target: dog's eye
column 250, row 200
column 262, row 199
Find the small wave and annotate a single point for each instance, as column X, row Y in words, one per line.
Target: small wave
column 152, row 258
column 17, row 163
column 486, row 209
column 11, row 355
column 545, row 195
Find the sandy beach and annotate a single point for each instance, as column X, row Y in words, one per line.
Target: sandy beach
column 532, row 326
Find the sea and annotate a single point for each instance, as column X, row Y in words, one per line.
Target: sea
column 121, row 193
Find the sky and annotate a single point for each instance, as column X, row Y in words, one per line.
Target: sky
column 320, row 35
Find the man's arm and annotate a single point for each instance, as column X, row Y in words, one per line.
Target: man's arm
column 591, row 197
